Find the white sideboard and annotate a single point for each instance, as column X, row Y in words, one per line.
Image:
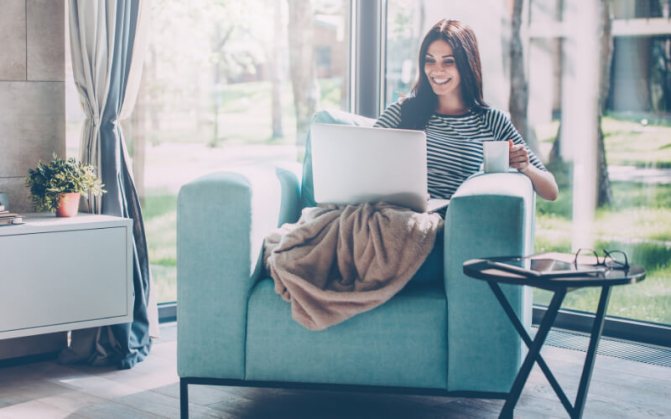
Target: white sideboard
column 59, row 274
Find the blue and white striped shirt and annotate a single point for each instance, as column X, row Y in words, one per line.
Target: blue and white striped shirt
column 454, row 144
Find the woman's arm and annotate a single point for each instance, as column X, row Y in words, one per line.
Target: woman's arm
column 543, row 181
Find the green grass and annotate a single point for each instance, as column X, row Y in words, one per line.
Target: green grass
column 160, row 217
column 627, row 141
column 649, row 300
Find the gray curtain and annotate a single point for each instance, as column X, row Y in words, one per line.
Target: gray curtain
column 106, row 44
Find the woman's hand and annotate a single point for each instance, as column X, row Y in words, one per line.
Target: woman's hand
column 518, row 156
column 543, row 181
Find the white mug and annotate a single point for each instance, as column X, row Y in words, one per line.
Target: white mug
column 495, row 156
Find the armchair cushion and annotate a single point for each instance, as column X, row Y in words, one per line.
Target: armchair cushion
column 400, row 343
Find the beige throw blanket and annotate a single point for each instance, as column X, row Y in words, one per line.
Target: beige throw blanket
column 338, row 261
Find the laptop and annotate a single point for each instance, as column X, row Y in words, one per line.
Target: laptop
column 354, row 165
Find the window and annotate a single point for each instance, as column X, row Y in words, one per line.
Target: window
column 218, row 91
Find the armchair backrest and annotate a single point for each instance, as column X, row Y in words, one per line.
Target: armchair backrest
column 325, row 117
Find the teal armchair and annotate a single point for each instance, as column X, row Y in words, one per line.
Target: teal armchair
column 443, row 334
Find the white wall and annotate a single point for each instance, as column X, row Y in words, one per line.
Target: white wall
column 32, row 91
column 32, row 114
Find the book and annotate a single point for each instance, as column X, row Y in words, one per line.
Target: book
column 10, row 218
column 543, row 266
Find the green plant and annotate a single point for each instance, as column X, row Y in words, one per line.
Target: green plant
column 48, row 180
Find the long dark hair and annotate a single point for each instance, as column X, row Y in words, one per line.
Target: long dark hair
column 417, row 109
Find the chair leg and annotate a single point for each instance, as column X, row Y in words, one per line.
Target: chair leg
column 183, row 399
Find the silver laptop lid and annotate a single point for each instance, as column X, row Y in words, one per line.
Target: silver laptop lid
column 353, row 165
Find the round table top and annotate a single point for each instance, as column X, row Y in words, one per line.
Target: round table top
column 481, row 269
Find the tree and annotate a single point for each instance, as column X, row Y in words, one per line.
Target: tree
column 604, row 190
column 301, row 65
column 605, row 194
column 276, row 70
column 519, row 88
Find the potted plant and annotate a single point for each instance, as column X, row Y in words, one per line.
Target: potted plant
column 57, row 185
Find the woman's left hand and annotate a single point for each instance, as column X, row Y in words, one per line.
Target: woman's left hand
column 518, row 157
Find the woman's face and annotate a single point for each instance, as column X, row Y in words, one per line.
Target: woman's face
column 441, row 69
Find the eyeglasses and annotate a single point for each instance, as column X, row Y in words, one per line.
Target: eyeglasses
column 614, row 259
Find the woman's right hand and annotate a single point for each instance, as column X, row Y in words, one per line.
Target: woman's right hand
column 518, row 156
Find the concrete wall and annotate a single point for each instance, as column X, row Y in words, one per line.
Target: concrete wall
column 32, row 114
column 32, row 91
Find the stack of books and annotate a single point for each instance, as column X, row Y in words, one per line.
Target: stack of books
column 7, row 218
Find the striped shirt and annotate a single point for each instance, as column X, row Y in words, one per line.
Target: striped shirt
column 454, row 144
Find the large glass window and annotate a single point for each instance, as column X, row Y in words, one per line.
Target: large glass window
column 632, row 194
column 225, row 83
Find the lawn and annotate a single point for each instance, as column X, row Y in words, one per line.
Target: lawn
column 638, row 221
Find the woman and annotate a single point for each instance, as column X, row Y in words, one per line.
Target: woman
column 447, row 103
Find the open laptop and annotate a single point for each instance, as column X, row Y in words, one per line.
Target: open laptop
column 353, row 165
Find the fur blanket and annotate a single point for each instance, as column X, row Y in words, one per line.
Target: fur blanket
column 338, row 261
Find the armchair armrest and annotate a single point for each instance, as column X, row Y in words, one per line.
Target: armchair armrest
column 490, row 215
column 222, row 219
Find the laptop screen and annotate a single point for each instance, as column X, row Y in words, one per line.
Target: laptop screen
column 353, row 165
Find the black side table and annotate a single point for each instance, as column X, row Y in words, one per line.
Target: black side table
column 480, row 269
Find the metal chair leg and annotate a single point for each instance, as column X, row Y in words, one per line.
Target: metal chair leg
column 183, row 399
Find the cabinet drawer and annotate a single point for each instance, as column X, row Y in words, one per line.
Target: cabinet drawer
column 52, row 278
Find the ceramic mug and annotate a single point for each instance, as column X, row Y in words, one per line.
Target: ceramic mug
column 496, row 156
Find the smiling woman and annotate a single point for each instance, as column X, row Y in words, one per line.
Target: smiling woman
column 447, row 103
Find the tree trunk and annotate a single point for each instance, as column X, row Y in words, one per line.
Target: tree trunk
column 137, row 135
column 216, row 93
column 139, row 130
column 605, row 194
column 555, row 152
column 666, row 74
column 519, row 88
column 153, row 107
column 276, row 69
column 304, row 83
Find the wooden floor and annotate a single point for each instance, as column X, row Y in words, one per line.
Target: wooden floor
column 620, row 389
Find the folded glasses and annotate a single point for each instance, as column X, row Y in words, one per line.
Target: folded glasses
column 614, row 259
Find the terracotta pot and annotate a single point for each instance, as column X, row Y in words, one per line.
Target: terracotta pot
column 68, row 204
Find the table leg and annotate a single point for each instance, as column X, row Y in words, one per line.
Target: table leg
column 528, row 341
column 597, row 329
column 532, row 356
